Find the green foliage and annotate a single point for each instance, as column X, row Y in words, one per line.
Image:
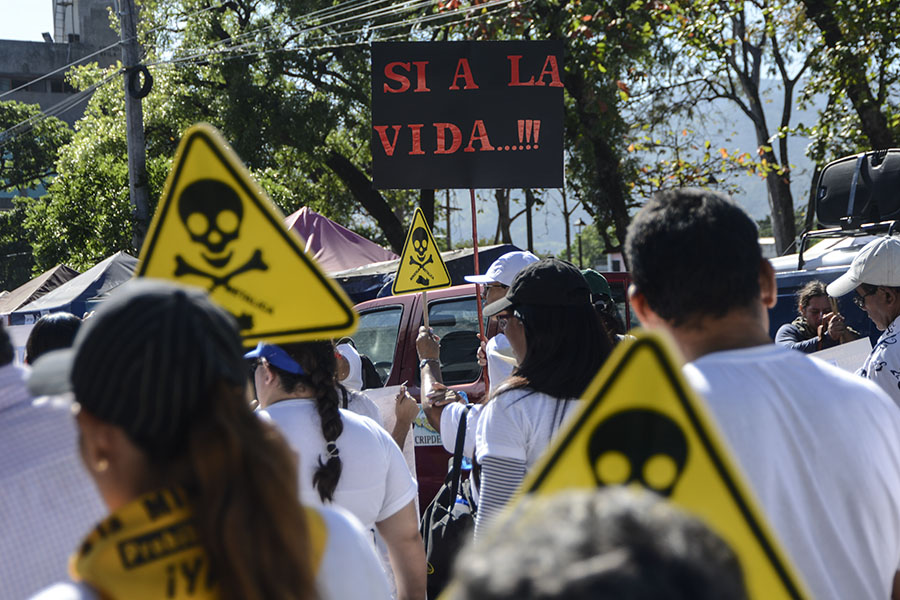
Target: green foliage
column 27, row 159
column 15, row 252
column 86, row 214
column 593, row 250
column 27, row 154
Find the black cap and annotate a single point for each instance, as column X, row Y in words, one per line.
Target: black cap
column 548, row 282
column 147, row 361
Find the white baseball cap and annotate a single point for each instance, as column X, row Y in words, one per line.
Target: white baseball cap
column 878, row 263
column 504, row 269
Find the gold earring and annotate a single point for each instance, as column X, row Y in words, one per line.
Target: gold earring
column 101, row 465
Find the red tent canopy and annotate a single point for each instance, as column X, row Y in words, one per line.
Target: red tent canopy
column 334, row 247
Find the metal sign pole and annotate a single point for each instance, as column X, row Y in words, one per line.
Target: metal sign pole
column 478, row 299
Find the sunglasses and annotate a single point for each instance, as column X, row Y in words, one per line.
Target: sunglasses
column 486, row 287
column 503, row 320
column 860, row 299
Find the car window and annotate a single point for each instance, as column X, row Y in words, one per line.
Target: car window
column 456, row 322
column 376, row 337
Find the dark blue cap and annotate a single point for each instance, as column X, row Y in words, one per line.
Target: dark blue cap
column 277, row 357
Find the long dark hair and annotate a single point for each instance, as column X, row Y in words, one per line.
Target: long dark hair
column 177, row 359
column 319, row 363
column 565, row 347
column 241, row 476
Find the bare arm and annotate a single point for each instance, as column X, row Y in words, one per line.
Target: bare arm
column 434, row 392
column 406, row 550
column 406, row 410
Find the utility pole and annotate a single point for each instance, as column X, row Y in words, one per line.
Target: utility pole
column 134, row 123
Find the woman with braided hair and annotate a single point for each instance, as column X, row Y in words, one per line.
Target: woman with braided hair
column 345, row 459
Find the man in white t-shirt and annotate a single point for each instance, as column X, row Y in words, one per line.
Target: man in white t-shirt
column 441, row 410
column 820, row 447
column 875, row 275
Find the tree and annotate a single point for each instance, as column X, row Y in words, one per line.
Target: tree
column 28, row 153
column 86, row 214
column 607, row 44
column 857, row 63
column 728, row 50
column 277, row 82
column 28, row 146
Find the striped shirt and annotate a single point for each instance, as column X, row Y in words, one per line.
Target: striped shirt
column 47, row 500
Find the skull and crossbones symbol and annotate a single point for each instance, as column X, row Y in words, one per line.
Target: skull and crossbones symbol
column 212, row 213
column 638, row 446
column 420, row 248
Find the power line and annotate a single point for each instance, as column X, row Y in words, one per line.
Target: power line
column 457, row 16
column 23, row 127
column 93, row 54
column 460, row 16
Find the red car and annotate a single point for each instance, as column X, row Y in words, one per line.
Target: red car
column 387, row 335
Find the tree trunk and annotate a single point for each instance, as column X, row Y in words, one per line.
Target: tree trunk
column 426, row 203
column 370, row 199
column 781, row 206
column 504, row 221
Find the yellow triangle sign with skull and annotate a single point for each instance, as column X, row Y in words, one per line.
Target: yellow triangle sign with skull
column 216, row 229
column 641, row 424
column 421, row 266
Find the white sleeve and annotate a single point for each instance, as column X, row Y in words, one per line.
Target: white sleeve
column 66, row 591
column 501, row 431
column 350, row 569
column 363, row 405
column 400, row 487
column 450, row 417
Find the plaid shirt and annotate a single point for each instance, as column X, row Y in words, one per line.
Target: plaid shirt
column 47, row 501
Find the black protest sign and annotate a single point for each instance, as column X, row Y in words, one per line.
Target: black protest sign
column 467, row 114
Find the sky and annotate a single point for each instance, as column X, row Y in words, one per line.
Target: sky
column 25, row 19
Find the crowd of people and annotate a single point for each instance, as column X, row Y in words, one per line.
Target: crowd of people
column 145, row 453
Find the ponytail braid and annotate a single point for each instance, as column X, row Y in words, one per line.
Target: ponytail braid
column 329, row 472
column 318, row 360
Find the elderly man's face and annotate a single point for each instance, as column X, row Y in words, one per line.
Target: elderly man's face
column 815, row 310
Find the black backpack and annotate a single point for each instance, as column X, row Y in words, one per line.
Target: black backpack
column 449, row 521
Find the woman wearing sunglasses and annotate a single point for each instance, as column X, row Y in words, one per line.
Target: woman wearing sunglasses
column 559, row 345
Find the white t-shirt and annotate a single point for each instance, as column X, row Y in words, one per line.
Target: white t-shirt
column 349, row 569
column 821, row 449
column 375, row 482
column 361, row 404
column 500, row 363
column 519, row 424
column 883, row 363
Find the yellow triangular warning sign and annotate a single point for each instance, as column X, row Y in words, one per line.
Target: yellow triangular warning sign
column 643, row 425
column 216, row 229
column 421, row 266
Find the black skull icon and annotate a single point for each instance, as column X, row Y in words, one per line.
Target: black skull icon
column 212, row 214
column 638, row 446
column 420, row 248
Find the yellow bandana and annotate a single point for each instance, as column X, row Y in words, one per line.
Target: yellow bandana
column 149, row 550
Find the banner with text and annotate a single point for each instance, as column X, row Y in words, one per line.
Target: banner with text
column 467, row 115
